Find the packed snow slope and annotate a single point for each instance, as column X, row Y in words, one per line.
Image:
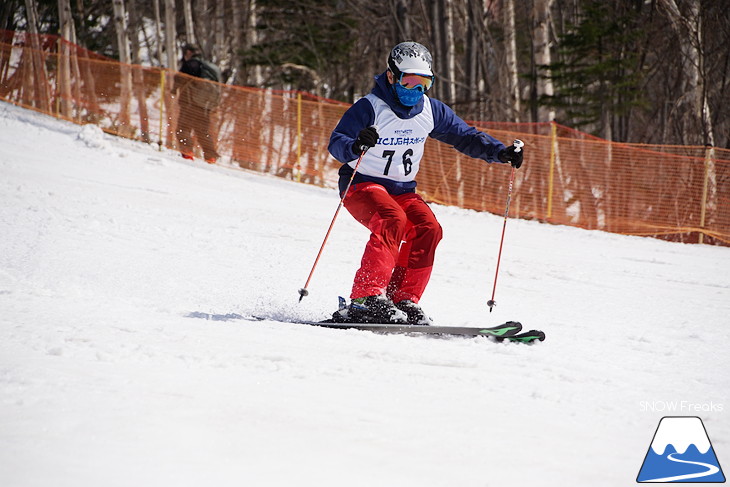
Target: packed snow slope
column 107, row 246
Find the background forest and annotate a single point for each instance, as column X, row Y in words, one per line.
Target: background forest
column 651, row 71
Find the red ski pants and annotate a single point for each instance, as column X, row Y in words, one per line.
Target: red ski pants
column 398, row 258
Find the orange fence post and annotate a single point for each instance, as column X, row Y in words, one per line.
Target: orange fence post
column 553, row 152
column 299, row 136
column 162, row 105
column 703, row 203
column 58, row 78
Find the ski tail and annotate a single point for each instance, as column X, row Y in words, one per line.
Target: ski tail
column 508, row 329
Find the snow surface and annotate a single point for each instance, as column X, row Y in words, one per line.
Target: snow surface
column 106, row 245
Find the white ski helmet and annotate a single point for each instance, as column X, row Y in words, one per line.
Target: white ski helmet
column 410, row 57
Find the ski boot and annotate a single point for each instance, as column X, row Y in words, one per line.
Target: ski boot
column 375, row 309
column 415, row 314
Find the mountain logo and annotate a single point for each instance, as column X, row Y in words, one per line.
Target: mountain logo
column 681, row 452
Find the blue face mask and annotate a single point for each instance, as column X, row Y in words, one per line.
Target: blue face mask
column 408, row 97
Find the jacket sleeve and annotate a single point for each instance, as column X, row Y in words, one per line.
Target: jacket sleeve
column 452, row 130
column 356, row 118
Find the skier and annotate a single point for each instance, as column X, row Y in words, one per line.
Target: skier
column 391, row 124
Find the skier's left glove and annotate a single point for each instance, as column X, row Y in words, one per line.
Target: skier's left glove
column 510, row 155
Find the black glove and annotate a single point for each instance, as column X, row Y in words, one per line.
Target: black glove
column 511, row 155
column 366, row 139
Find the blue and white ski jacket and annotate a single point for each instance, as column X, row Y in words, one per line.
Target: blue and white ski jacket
column 395, row 159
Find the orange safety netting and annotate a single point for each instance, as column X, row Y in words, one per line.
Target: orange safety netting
column 679, row 193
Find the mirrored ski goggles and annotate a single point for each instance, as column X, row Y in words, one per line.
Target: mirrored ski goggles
column 411, row 81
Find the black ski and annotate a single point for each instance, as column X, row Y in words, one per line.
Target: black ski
column 509, row 331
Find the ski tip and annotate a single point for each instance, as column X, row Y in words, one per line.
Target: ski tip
column 531, row 336
column 539, row 335
column 504, row 330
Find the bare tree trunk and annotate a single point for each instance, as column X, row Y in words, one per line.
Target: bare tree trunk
column 120, row 23
column 64, row 69
column 170, row 35
column 74, row 61
column 256, row 78
column 220, row 34
column 122, row 28
column 443, row 52
column 135, row 24
column 31, row 12
column 510, row 46
column 39, row 75
column 483, row 87
column 541, row 55
column 687, row 26
column 158, row 31
column 171, row 55
column 236, row 40
column 438, row 50
column 402, row 23
column 204, row 21
column 468, row 91
column 68, row 31
column 189, row 26
column 451, row 49
column 81, row 64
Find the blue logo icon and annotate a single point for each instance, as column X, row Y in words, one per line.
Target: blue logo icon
column 681, row 452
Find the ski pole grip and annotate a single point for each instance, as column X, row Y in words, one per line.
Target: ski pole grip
column 363, row 147
column 518, row 144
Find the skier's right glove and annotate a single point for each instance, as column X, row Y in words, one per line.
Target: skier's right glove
column 366, row 139
column 510, row 155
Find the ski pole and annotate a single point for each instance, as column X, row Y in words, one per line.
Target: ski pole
column 304, row 291
column 518, row 144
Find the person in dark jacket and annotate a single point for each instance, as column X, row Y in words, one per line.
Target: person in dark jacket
column 195, row 108
column 388, row 128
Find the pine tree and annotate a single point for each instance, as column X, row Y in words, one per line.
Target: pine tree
column 597, row 76
column 301, row 41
